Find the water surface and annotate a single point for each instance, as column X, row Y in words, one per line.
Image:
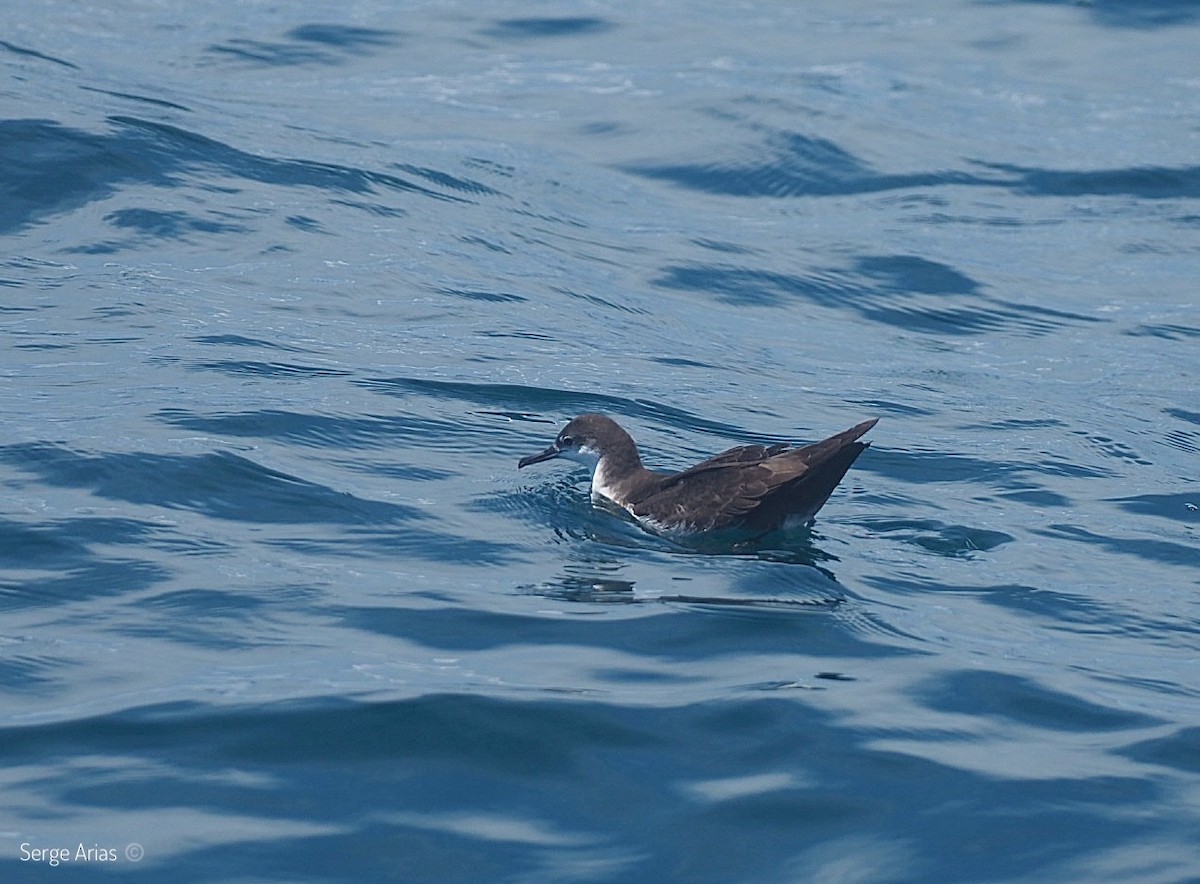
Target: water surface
column 287, row 293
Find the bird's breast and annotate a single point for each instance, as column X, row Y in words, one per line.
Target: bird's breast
column 603, row 485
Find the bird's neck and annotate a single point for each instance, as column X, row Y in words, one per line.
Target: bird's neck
column 618, row 472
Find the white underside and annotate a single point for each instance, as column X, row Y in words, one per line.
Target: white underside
column 602, row 486
column 601, row 483
column 590, row 459
column 793, row 522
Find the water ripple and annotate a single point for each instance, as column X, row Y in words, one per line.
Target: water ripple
column 904, row 291
column 793, row 164
column 568, row 777
column 548, row 27
column 221, row 485
column 309, row 44
column 55, row 169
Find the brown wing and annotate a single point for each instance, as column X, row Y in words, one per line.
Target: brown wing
column 720, row 495
column 742, row 454
column 732, row 486
column 826, row 448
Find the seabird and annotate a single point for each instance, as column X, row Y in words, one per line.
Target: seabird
column 754, row 487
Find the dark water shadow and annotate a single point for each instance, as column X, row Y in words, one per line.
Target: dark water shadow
column 1052, row 607
column 658, row 621
column 1173, row 507
column 231, row 340
column 298, row 428
column 1191, row 417
column 1167, row 331
column 260, row 368
column 1019, row 481
column 1179, row 750
column 1064, row 611
column 790, row 164
column 26, row 52
column 34, row 674
column 220, row 485
column 595, row 576
column 1129, row 14
column 1141, row 182
column 902, row 291
column 527, row 404
column 1163, row 552
column 583, row 586
column 171, row 225
column 1021, row 701
column 396, row 433
column 953, row 541
column 140, row 99
column 219, row 619
column 323, row 44
column 461, row 785
column 488, row 297
column 533, row 28
column 231, row 488
column 51, row 169
column 67, row 560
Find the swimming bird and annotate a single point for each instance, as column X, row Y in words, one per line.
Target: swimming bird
column 755, row 487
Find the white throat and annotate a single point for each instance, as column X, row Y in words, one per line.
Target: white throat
column 602, row 484
column 590, row 458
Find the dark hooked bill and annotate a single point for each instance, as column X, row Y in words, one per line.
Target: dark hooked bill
column 548, row 454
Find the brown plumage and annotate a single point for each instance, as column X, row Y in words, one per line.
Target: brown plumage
column 754, row 487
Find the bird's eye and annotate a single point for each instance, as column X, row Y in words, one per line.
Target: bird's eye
column 566, row 442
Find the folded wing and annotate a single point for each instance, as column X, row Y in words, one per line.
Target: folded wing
column 760, row 486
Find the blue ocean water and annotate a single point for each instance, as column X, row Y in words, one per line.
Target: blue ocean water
column 289, row 288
